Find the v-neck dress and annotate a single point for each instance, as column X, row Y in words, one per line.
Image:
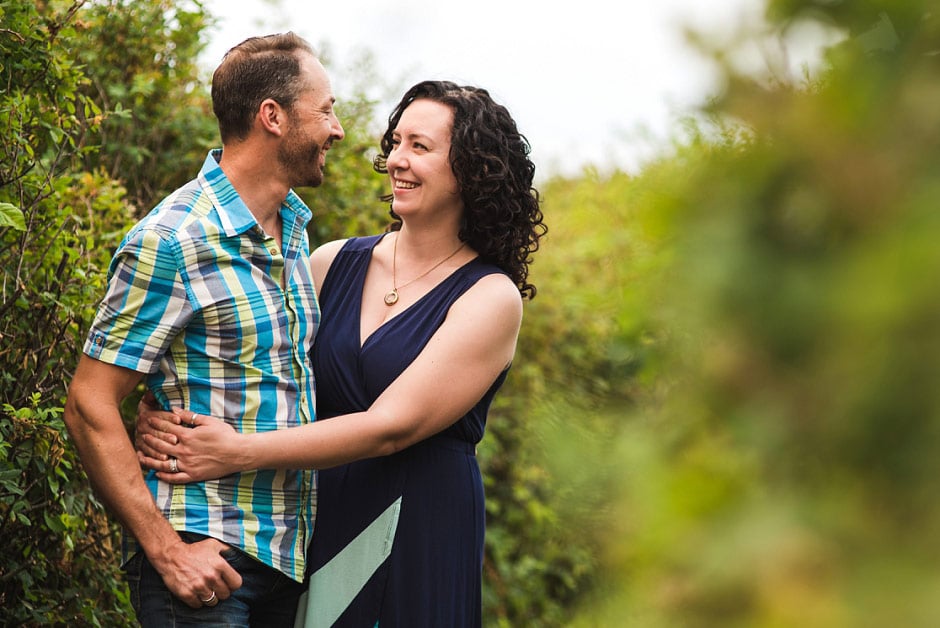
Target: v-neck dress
column 398, row 540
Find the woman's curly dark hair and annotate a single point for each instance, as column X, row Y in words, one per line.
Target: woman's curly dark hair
column 490, row 160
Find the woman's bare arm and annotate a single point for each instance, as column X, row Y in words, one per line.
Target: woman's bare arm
column 451, row 374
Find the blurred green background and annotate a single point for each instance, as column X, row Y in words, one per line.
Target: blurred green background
column 723, row 408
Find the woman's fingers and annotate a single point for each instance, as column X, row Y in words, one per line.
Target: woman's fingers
column 180, row 477
column 165, row 469
column 190, row 418
column 160, row 419
column 159, row 445
column 143, row 447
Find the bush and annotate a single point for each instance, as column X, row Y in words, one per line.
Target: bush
column 57, row 565
column 781, row 468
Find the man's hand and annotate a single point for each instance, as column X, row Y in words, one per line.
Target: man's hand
column 194, row 571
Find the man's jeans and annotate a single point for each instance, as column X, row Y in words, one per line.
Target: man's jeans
column 266, row 598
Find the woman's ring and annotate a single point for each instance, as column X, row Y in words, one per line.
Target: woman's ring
column 174, row 466
column 192, row 419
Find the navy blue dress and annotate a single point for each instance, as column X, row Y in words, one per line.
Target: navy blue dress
column 399, row 539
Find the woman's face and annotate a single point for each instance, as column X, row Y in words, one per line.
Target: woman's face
column 419, row 163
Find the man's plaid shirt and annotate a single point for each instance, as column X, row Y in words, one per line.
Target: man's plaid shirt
column 195, row 301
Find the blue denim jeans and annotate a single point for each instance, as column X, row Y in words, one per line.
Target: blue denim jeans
column 266, row 598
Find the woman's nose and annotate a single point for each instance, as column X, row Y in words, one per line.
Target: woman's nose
column 396, row 160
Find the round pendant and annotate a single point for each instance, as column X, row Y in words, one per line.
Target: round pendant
column 391, row 298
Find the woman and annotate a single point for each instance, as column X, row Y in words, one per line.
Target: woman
column 419, row 326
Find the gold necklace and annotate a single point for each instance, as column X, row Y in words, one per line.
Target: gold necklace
column 391, row 298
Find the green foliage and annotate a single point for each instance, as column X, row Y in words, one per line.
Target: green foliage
column 780, row 465
column 12, row 216
column 57, row 543
column 142, row 68
column 56, row 566
column 550, row 457
column 50, row 258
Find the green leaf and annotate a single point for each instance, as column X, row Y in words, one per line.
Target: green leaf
column 54, row 523
column 11, row 216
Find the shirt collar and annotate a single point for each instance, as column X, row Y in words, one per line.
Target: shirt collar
column 234, row 215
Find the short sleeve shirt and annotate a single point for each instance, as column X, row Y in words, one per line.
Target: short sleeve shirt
column 221, row 321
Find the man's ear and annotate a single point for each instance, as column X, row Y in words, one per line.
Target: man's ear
column 272, row 117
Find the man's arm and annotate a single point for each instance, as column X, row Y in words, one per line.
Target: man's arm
column 92, row 414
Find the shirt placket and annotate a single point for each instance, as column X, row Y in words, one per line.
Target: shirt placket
column 292, row 299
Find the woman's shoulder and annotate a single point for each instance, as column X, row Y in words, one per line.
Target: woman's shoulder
column 323, row 256
column 321, row 259
column 330, row 249
column 493, row 290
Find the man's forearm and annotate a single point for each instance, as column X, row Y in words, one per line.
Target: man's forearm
column 111, row 466
column 93, row 418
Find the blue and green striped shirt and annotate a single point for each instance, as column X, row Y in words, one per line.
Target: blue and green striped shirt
column 195, row 302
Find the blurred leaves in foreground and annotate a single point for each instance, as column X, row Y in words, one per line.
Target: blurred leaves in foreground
column 780, row 462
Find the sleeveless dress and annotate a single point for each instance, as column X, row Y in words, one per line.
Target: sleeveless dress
column 398, row 540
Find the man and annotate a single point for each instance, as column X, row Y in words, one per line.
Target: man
column 211, row 303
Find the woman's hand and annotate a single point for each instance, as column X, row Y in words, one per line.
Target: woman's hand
column 183, row 446
column 153, row 421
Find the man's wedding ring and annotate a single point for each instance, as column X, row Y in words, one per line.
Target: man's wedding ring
column 212, row 600
column 174, row 466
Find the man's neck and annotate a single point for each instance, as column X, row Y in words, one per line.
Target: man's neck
column 256, row 180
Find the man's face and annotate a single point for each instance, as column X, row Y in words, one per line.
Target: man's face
column 313, row 128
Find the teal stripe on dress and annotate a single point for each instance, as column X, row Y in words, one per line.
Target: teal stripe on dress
column 334, row 586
